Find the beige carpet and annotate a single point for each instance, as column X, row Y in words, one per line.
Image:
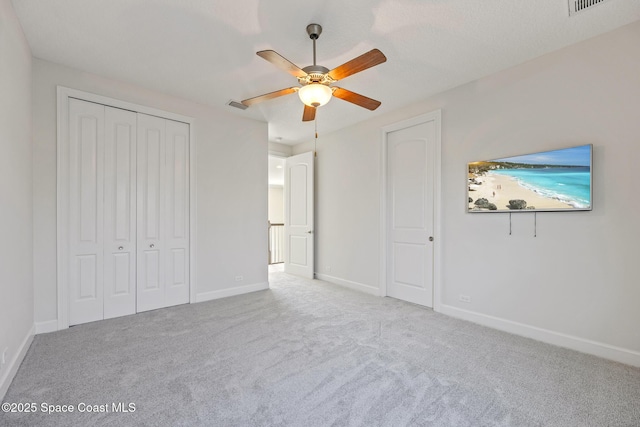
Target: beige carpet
column 308, row 353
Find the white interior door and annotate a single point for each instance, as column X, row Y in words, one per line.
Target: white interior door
column 410, row 213
column 298, row 215
column 86, row 179
column 150, row 212
column 163, row 213
column 176, row 244
column 119, row 213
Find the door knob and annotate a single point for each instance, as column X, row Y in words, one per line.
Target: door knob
column 310, row 231
column 431, row 238
column 152, row 246
column 120, row 248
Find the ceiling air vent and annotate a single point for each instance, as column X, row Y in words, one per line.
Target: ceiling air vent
column 237, row 105
column 576, row 6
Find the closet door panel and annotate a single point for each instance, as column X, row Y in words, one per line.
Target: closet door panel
column 120, row 213
column 150, row 213
column 177, row 212
column 86, row 178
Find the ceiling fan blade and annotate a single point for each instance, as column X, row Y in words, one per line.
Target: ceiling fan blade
column 355, row 98
column 367, row 60
column 281, row 62
column 308, row 114
column 249, row 102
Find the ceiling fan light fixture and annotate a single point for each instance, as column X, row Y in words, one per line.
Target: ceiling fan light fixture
column 315, row 94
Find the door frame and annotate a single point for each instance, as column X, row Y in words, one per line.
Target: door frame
column 62, row 197
column 436, row 118
column 282, row 156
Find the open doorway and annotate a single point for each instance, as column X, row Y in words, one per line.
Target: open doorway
column 291, row 214
column 276, row 213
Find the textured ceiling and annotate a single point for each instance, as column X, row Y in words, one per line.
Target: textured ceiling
column 204, row 50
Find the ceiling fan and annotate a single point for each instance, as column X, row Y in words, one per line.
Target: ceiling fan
column 316, row 80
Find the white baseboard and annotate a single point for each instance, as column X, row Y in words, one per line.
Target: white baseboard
column 14, row 364
column 52, row 325
column 46, row 327
column 349, row 284
column 606, row 351
column 229, row 292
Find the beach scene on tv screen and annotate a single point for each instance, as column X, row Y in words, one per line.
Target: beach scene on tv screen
column 550, row 180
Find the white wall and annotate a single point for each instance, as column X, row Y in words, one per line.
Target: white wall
column 276, row 205
column 575, row 284
column 231, row 173
column 347, row 203
column 16, row 221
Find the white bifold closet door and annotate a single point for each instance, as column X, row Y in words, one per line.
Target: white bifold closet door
column 119, row 213
column 128, row 212
column 163, row 213
column 86, row 211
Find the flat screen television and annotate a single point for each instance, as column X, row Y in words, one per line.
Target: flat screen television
column 558, row 180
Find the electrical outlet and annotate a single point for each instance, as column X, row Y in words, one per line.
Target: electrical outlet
column 464, row 298
column 239, row 278
column 327, row 269
column 4, row 357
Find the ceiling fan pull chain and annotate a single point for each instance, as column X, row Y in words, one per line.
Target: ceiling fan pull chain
column 315, row 141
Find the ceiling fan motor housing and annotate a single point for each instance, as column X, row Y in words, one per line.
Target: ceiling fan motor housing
column 315, row 74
